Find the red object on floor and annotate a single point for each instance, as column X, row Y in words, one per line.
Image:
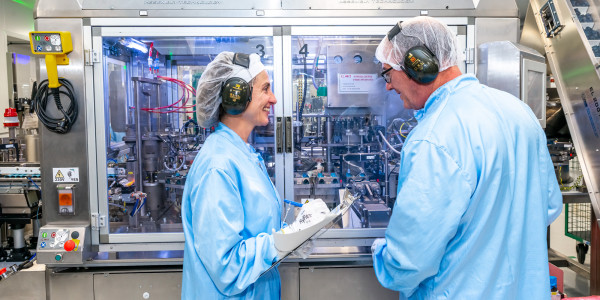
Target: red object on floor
column 558, row 273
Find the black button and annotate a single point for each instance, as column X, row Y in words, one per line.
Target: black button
column 74, row 234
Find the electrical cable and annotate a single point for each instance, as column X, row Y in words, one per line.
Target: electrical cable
column 388, row 143
column 360, row 169
column 187, row 91
column 40, row 103
column 186, row 125
column 34, row 183
column 400, row 130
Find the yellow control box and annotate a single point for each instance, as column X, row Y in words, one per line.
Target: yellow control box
column 55, row 45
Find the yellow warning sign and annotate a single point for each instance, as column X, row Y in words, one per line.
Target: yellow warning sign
column 65, row 174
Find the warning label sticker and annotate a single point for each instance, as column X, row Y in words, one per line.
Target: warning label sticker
column 65, row 174
column 355, row 83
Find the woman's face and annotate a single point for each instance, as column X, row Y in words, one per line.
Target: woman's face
column 257, row 112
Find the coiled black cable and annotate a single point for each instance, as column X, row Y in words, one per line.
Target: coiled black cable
column 40, row 101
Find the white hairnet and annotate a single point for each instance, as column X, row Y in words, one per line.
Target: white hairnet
column 208, row 92
column 420, row 31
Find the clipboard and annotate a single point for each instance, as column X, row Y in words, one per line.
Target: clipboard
column 289, row 242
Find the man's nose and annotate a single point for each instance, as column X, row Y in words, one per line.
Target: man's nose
column 388, row 86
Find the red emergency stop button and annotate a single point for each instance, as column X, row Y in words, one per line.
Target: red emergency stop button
column 69, row 245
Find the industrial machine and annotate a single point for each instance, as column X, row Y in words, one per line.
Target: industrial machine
column 112, row 184
column 20, row 193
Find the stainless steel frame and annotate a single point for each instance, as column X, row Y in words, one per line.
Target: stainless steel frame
column 89, row 21
column 274, row 9
column 577, row 80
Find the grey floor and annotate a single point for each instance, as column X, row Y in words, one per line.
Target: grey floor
column 575, row 284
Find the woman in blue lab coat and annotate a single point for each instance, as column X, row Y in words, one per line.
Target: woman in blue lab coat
column 230, row 205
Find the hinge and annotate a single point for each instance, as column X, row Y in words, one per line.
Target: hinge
column 91, row 57
column 98, row 221
column 470, row 55
column 288, row 135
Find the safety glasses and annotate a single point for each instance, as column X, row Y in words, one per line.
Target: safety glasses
column 387, row 75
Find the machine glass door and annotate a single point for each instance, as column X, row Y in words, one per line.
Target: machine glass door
column 341, row 114
column 347, row 128
column 150, row 135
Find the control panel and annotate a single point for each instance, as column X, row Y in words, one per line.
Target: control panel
column 54, row 45
column 44, row 42
column 62, row 244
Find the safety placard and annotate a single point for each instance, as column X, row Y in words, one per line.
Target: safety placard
column 65, row 174
column 355, row 83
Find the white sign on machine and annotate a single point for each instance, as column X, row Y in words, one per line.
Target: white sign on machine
column 355, row 83
column 65, row 174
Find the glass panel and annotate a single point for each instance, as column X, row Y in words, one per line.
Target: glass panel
column 340, row 107
column 152, row 135
column 535, row 95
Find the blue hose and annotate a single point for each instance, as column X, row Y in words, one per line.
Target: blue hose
column 292, row 203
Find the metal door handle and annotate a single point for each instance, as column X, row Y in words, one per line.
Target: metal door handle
column 279, row 136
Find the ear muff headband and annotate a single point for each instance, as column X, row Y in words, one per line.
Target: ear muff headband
column 236, row 92
column 420, row 64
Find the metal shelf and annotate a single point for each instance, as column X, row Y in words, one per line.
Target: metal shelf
column 575, row 197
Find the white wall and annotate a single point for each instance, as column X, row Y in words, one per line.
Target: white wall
column 16, row 20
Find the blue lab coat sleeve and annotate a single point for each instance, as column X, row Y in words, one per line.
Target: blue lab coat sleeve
column 232, row 261
column 555, row 201
column 433, row 194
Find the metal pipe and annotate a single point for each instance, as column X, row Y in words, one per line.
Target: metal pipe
column 149, row 130
column 329, row 137
column 158, row 104
column 318, row 127
column 18, row 237
column 36, row 226
column 386, row 169
column 15, row 95
column 138, row 137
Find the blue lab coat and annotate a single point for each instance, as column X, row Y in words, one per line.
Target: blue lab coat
column 229, row 209
column 476, row 192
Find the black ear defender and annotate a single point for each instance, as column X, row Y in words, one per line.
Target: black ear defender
column 236, row 92
column 420, row 64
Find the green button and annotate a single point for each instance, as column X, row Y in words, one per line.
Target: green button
column 58, row 257
column 37, row 37
column 44, row 234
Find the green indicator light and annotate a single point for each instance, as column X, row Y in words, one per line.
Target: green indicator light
column 37, row 37
column 124, row 67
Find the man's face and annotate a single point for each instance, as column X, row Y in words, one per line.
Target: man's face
column 407, row 88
